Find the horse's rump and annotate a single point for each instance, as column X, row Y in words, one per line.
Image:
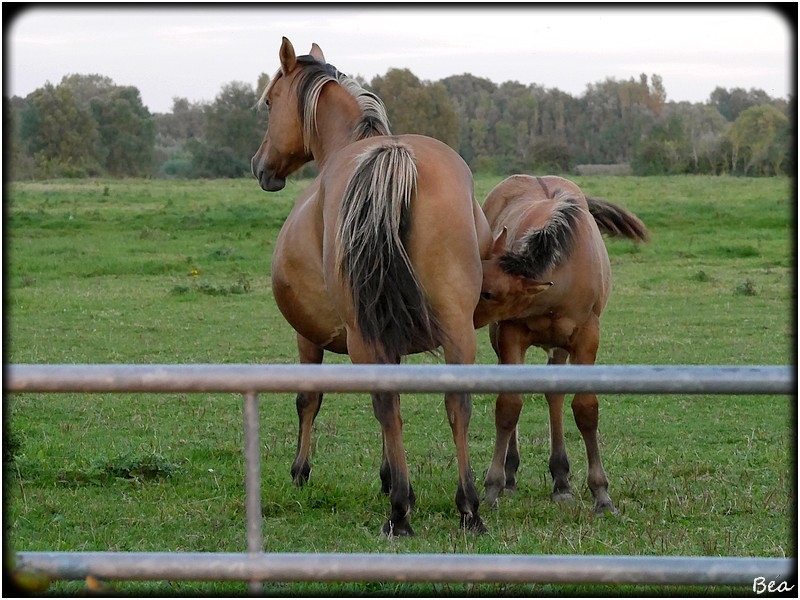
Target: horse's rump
column 392, row 312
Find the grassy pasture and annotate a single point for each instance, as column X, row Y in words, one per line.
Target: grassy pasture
column 178, row 272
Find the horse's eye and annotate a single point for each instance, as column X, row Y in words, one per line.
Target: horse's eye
column 487, row 295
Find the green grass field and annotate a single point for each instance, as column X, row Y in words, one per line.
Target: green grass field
column 178, row 272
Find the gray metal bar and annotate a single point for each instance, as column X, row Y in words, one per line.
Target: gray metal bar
column 436, row 568
column 621, row 379
column 252, row 482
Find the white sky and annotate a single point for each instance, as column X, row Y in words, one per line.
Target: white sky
column 192, row 52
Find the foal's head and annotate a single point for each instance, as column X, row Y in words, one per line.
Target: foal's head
column 504, row 295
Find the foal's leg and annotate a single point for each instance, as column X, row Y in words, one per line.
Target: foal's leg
column 510, row 345
column 461, row 348
column 559, row 463
column 586, row 411
column 308, row 405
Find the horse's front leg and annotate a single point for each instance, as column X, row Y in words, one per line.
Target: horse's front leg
column 559, row 463
column 510, row 343
column 502, row 472
column 586, row 410
column 308, row 405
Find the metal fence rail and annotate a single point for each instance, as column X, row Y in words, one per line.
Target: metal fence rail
column 257, row 566
column 616, row 379
column 413, row 568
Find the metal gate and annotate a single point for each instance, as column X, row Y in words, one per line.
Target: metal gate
column 257, row 566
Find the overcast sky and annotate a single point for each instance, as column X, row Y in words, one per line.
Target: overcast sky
column 192, row 52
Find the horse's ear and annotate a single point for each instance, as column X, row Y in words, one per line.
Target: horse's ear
column 287, row 56
column 316, row 52
column 499, row 244
column 534, row 286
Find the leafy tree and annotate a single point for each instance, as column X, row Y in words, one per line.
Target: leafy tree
column 232, row 133
column 86, row 88
column 471, row 97
column 419, row 107
column 62, row 138
column 127, row 132
column 759, row 139
column 664, row 151
column 733, row 103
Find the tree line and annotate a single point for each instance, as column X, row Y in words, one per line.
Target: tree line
column 89, row 126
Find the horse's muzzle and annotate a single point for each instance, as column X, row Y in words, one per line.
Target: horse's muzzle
column 272, row 184
column 268, row 181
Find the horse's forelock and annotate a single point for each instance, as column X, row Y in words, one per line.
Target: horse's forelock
column 262, row 101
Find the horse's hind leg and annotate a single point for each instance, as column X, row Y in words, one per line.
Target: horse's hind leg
column 401, row 495
column 585, row 409
column 394, row 467
column 559, row 463
column 461, row 348
column 308, row 405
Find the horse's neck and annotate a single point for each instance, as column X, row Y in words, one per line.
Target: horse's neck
column 338, row 113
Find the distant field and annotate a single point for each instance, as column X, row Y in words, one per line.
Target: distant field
column 141, row 271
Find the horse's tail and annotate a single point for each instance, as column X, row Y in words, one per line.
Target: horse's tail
column 545, row 248
column 616, row 221
column 391, row 309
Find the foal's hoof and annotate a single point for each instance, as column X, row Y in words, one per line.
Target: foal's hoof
column 402, row 529
column 473, row 523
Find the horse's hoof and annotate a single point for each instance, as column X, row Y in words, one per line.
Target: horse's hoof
column 300, row 475
column 391, row 530
column 473, row 524
column 491, row 498
column 605, row 508
column 562, row 497
column 300, row 480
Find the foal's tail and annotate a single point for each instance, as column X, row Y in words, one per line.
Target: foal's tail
column 616, row 221
column 391, row 309
column 545, row 248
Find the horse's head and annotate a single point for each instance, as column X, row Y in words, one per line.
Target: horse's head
column 503, row 295
column 284, row 148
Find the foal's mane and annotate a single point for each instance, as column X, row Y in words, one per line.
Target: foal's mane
column 543, row 249
column 313, row 77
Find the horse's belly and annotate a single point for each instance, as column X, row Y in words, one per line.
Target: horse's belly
column 550, row 331
column 300, row 294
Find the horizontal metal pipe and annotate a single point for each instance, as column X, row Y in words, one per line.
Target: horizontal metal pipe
column 434, row 568
column 622, row 379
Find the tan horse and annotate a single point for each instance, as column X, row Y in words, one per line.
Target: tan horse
column 379, row 258
column 546, row 284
